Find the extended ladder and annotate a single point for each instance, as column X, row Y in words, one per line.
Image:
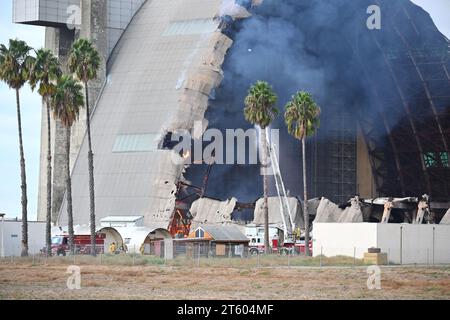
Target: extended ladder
column 286, row 213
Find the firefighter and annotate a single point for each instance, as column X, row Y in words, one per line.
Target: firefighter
column 297, row 233
column 112, row 248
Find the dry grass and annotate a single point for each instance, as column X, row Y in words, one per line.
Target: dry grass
column 22, row 280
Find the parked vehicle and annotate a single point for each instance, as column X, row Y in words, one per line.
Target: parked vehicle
column 60, row 244
column 256, row 245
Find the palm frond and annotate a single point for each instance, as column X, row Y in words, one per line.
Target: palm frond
column 84, row 60
column 260, row 104
column 67, row 100
column 14, row 63
column 302, row 115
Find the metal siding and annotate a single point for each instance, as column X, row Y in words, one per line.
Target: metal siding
column 140, row 95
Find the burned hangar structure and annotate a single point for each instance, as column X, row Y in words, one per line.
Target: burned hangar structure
column 384, row 94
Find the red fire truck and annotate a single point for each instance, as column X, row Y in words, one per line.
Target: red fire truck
column 256, row 236
column 60, row 244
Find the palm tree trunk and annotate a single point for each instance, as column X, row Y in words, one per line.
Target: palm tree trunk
column 266, row 191
column 305, row 198
column 91, row 172
column 69, row 193
column 23, row 185
column 48, row 235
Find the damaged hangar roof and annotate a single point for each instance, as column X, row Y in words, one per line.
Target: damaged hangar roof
column 161, row 74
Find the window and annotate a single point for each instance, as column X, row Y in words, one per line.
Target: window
column 186, row 27
column 56, row 240
column 135, row 143
column 444, row 159
column 436, row 160
column 199, row 233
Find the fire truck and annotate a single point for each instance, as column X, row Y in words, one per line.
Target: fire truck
column 60, row 244
column 285, row 240
column 278, row 242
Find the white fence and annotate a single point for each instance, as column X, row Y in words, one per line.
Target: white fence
column 404, row 243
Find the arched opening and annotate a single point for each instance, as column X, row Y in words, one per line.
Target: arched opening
column 111, row 236
column 148, row 241
column 155, row 243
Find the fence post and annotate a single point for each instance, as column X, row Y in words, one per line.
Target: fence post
column 289, row 259
column 401, row 245
column 134, row 255
column 434, row 228
column 33, row 260
column 259, row 262
column 354, row 256
column 428, row 257
column 389, row 256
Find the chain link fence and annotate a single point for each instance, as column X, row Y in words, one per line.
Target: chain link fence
column 234, row 255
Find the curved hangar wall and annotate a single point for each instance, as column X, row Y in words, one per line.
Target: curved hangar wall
column 161, row 74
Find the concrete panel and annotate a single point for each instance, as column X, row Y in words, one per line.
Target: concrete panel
column 404, row 243
column 411, row 243
column 347, row 239
column 12, row 235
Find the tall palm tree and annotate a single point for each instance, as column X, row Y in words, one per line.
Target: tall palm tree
column 260, row 110
column 44, row 74
column 84, row 61
column 302, row 120
column 14, row 71
column 66, row 103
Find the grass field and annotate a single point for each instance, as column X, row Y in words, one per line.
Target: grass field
column 151, row 278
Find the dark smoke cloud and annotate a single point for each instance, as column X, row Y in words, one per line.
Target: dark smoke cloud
column 321, row 46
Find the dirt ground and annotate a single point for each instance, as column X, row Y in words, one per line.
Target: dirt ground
column 27, row 281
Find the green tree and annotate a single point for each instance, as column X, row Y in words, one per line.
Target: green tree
column 302, row 120
column 260, row 110
column 44, row 73
column 14, row 71
column 84, row 61
column 66, row 104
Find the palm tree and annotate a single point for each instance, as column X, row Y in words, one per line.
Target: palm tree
column 66, row 103
column 302, row 120
column 14, row 71
column 260, row 110
column 84, row 61
column 44, row 74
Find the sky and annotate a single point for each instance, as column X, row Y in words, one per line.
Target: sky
column 10, row 192
column 31, row 112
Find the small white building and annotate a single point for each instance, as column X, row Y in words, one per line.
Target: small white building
column 404, row 243
column 11, row 241
column 122, row 221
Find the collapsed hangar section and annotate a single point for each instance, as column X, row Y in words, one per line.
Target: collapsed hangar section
column 160, row 77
